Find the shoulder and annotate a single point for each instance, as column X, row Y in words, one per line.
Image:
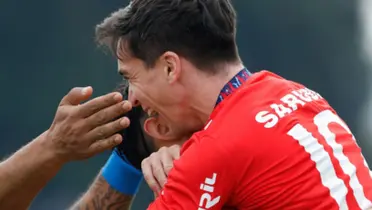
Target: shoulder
column 267, row 98
column 203, row 149
column 253, row 124
column 203, row 170
column 243, row 114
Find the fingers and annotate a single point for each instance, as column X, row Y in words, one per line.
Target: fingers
column 76, row 96
column 147, row 170
column 159, row 174
column 108, row 114
column 99, row 103
column 157, row 167
column 167, row 164
column 105, row 144
column 108, row 129
column 175, row 151
column 80, row 130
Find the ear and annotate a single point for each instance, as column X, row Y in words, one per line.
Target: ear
column 157, row 131
column 172, row 66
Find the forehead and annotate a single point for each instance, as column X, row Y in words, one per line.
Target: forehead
column 123, row 56
column 130, row 66
column 127, row 64
column 123, row 53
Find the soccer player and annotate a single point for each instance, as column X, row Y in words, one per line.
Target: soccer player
column 266, row 142
column 78, row 131
column 121, row 175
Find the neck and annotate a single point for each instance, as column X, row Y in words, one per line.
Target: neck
column 206, row 88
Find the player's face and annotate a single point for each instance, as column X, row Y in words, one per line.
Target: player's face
column 160, row 93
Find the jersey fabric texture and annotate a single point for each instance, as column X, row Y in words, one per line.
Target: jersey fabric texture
column 271, row 144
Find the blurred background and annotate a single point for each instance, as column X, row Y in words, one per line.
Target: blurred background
column 47, row 47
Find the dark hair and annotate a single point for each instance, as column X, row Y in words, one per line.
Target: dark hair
column 203, row 31
column 135, row 147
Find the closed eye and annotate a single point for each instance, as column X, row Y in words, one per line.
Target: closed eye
column 124, row 74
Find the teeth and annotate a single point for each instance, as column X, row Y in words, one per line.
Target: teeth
column 151, row 113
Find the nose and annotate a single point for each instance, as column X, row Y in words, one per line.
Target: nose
column 132, row 97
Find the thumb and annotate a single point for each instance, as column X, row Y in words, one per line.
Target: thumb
column 76, row 96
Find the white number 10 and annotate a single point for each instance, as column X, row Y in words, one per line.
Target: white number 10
column 322, row 159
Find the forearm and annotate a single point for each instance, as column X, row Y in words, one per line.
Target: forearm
column 25, row 173
column 101, row 196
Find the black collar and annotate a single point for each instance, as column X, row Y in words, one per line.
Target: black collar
column 233, row 84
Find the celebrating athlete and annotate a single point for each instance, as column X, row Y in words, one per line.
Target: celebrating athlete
column 265, row 142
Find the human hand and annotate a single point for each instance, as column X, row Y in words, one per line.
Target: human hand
column 156, row 168
column 80, row 131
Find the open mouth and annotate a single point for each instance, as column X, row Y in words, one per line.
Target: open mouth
column 152, row 113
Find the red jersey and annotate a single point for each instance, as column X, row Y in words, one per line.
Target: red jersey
column 272, row 144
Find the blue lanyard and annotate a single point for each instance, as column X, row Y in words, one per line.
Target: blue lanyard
column 233, row 84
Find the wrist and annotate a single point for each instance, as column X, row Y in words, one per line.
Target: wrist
column 121, row 176
column 43, row 145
